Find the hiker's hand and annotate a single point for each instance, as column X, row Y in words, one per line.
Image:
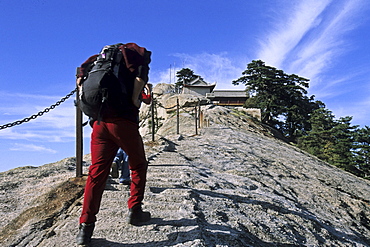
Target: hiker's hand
column 78, row 81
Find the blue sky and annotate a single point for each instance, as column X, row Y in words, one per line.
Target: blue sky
column 43, row 41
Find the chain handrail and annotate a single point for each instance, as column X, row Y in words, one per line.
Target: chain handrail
column 166, row 108
column 8, row 125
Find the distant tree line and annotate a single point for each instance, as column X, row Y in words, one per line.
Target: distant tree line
column 300, row 118
column 305, row 121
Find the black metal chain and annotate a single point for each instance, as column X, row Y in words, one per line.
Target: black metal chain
column 39, row 113
column 160, row 105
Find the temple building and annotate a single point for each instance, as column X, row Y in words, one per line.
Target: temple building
column 198, row 87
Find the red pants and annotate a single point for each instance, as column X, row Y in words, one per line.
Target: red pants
column 106, row 138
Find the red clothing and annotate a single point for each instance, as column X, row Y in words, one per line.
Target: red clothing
column 106, row 138
column 131, row 59
column 110, row 134
column 146, row 98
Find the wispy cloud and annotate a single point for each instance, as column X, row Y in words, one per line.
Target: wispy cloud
column 31, row 148
column 359, row 111
column 5, row 94
column 289, row 29
column 214, row 68
column 54, row 126
column 305, row 39
column 357, row 106
column 328, row 43
column 312, row 38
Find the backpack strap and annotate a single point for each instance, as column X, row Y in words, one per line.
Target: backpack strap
column 86, row 66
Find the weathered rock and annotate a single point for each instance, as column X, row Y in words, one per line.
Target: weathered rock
column 234, row 184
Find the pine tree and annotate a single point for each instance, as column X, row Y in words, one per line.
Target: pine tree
column 341, row 151
column 319, row 140
column 361, row 152
column 281, row 98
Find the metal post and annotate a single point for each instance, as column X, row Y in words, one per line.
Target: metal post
column 201, row 119
column 178, row 116
column 153, row 124
column 196, row 120
column 79, row 138
column 199, row 113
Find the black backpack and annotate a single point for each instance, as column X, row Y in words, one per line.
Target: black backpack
column 107, row 85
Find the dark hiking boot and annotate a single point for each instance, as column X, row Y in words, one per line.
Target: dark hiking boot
column 136, row 216
column 84, row 234
column 114, row 172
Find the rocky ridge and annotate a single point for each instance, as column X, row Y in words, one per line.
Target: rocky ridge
column 234, row 184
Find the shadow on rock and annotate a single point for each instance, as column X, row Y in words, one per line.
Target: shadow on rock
column 301, row 212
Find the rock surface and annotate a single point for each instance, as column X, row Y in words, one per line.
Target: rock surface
column 233, row 184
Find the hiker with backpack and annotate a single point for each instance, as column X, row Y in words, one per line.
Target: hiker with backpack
column 110, row 84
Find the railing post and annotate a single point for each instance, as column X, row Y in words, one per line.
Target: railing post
column 199, row 112
column 153, row 123
column 196, row 119
column 178, row 116
column 79, row 138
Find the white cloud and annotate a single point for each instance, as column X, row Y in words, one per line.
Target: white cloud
column 61, row 117
column 54, row 126
column 311, row 39
column 214, row 68
column 31, row 148
column 327, row 41
column 288, row 32
column 166, row 76
column 27, row 97
column 359, row 110
column 312, row 42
